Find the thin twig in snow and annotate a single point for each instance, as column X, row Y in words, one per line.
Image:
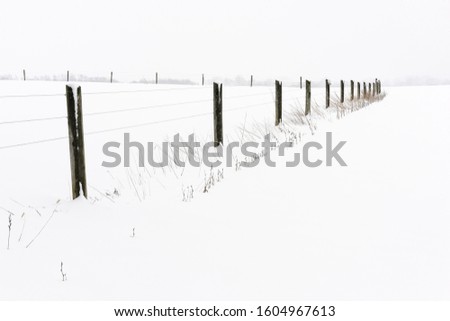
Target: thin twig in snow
column 54, row 211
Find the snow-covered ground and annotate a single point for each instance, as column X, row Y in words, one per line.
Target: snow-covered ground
column 376, row 229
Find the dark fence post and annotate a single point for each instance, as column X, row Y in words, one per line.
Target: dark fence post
column 365, row 91
column 352, row 90
column 68, row 76
column 370, row 88
column 301, row 82
column 76, row 142
column 203, row 79
column 111, row 77
column 218, row 125
column 359, row 90
column 327, row 93
column 251, row 81
column 24, row 75
column 308, row 97
column 379, row 86
column 342, row 91
column 156, row 78
column 278, row 102
column 373, row 90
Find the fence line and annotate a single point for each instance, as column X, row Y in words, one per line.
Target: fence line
column 75, row 115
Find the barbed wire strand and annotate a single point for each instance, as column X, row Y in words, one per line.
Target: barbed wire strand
column 10, row 122
column 145, row 107
column 144, row 90
column 32, row 96
column 33, row 142
column 147, row 123
column 105, row 92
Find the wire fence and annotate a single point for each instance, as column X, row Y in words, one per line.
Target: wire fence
column 75, row 116
column 117, row 110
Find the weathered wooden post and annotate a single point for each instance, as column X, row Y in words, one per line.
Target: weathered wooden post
column 327, row 93
column 156, row 78
column 111, row 77
column 365, row 91
column 76, row 141
column 278, row 103
column 251, row 80
column 370, row 88
column 373, row 90
column 352, row 90
column 308, row 97
column 342, row 91
column 24, row 75
column 301, row 82
column 203, row 79
column 68, row 76
column 218, row 125
column 359, row 90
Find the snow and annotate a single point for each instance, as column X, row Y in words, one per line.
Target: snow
column 376, row 229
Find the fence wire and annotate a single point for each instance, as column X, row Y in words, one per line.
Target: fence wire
column 124, row 110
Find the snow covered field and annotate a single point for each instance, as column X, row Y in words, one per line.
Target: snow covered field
column 377, row 229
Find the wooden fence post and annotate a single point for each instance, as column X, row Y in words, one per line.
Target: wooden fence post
column 373, row 90
column 278, row 102
column 68, row 76
column 379, row 86
column 156, row 78
column 76, row 141
column 327, row 93
column 203, row 79
column 308, row 97
column 370, row 88
column 111, row 77
column 352, row 90
column 365, row 91
column 301, row 82
column 24, row 75
column 359, row 90
column 342, row 91
column 218, row 125
column 251, row 80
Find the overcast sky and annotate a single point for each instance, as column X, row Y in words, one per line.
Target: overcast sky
column 387, row 39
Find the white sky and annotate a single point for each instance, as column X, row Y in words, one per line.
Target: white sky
column 283, row 38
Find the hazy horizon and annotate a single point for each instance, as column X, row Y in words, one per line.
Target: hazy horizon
column 397, row 41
